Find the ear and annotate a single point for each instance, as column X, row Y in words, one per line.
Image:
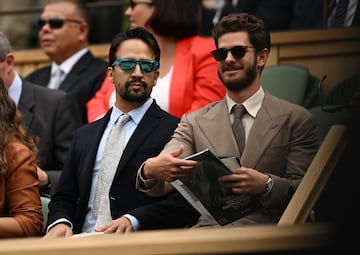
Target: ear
column 156, row 76
column 84, row 31
column 110, row 73
column 10, row 62
column 263, row 57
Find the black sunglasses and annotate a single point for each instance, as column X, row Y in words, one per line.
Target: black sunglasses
column 133, row 3
column 128, row 65
column 238, row 52
column 56, row 23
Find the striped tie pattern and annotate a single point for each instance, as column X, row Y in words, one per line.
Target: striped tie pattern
column 340, row 13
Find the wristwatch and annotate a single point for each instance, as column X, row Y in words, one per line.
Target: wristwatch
column 269, row 184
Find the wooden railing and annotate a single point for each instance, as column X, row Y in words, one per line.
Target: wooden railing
column 316, row 177
column 242, row 240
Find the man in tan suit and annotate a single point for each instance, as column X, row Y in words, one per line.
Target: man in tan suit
column 280, row 137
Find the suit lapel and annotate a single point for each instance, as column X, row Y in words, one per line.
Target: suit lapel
column 356, row 19
column 69, row 83
column 96, row 129
column 26, row 104
column 149, row 122
column 259, row 137
column 215, row 126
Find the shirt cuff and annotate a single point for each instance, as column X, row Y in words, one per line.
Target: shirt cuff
column 58, row 221
column 134, row 222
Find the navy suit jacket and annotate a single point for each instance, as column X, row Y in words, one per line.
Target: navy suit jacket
column 51, row 117
column 276, row 14
column 72, row 195
column 356, row 20
column 84, row 79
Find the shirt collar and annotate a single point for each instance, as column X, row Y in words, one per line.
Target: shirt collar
column 68, row 64
column 135, row 114
column 15, row 89
column 252, row 104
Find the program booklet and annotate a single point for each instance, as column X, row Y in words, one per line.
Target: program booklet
column 206, row 194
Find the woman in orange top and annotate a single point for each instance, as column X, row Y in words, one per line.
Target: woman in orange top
column 20, row 206
column 188, row 73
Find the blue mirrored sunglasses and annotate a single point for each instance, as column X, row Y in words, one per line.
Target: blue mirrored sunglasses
column 128, row 65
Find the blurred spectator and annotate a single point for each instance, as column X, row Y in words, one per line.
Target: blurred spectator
column 20, row 206
column 104, row 17
column 276, row 14
column 308, row 14
column 343, row 13
column 50, row 116
column 63, row 37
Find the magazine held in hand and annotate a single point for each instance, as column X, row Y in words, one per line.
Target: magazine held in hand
column 206, row 194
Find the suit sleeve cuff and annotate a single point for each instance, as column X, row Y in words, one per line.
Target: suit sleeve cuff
column 58, row 221
column 134, row 222
column 141, row 183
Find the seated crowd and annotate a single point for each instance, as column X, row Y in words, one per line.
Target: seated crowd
column 105, row 140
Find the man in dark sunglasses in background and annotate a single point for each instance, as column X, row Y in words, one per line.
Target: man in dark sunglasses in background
column 63, row 35
column 278, row 141
column 77, row 205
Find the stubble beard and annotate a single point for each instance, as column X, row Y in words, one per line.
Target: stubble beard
column 236, row 85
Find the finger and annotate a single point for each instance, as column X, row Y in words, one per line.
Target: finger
column 128, row 230
column 68, row 233
column 120, row 230
column 228, row 178
column 178, row 152
column 110, row 229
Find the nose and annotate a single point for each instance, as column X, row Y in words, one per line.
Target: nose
column 128, row 11
column 137, row 71
column 229, row 56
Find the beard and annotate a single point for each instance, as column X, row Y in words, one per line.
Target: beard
column 135, row 96
column 239, row 84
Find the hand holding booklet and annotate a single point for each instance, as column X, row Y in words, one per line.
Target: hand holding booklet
column 205, row 193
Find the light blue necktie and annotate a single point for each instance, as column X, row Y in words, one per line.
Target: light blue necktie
column 56, row 79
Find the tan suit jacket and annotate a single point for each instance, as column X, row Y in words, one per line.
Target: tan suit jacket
column 282, row 142
column 19, row 192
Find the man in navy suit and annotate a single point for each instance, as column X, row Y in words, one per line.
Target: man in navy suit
column 134, row 68
column 63, row 36
column 51, row 116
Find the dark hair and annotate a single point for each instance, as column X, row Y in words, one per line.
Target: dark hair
column 258, row 33
column 176, row 18
column 10, row 126
column 80, row 6
column 133, row 33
